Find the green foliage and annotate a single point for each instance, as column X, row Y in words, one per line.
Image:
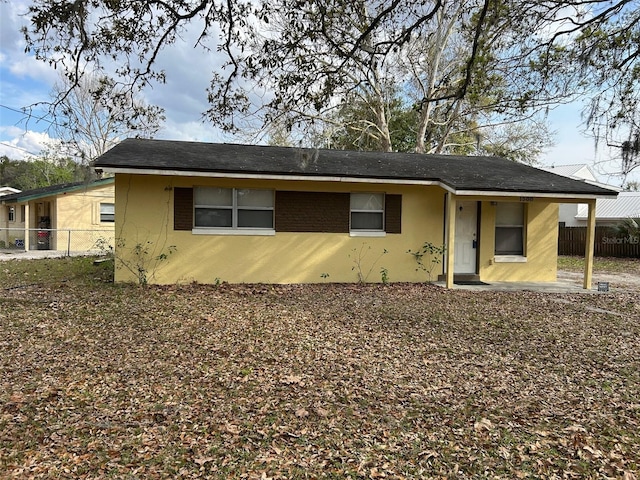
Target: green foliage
column 357, row 125
column 461, row 65
column 629, row 227
column 41, row 172
column 428, row 257
column 406, row 76
column 83, row 272
column 384, row 275
column 141, row 259
column 522, row 142
column 358, row 257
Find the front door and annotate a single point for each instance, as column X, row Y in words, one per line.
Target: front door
column 464, row 255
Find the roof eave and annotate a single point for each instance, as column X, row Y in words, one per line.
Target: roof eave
column 526, row 194
column 268, row 176
column 351, row 179
column 28, row 198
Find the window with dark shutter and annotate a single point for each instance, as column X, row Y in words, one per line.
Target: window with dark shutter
column 312, row 212
column 182, row 208
column 393, row 213
column 233, row 208
column 367, row 212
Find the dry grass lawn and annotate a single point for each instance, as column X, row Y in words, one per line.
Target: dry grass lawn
column 329, row 381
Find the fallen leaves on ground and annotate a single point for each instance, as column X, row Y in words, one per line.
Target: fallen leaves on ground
column 326, row 381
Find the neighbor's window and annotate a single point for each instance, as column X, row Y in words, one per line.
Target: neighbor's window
column 233, row 208
column 107, row 212
column 510, row 229
column 367, row 212
column 11, row 213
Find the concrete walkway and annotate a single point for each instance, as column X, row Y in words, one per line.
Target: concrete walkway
column 36, row 254
column 568, row 282
column 552, row 287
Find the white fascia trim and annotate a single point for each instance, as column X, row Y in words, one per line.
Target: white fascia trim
column 260, row 176
column 481, row 193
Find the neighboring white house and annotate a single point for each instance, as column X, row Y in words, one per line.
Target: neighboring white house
column 612, row 211
column 8, row 191
column 579, row 171
column 608, row 211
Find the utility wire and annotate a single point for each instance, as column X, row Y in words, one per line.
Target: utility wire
column 18, row 148
column 26, row 114
column 30, row 115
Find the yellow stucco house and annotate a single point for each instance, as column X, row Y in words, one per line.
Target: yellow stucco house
column 67, row 217
column 202, row 212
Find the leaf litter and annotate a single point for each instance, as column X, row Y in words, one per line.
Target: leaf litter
column 316, row 381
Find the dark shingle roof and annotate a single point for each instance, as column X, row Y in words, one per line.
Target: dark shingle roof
column 460, row 173
column 52, row 190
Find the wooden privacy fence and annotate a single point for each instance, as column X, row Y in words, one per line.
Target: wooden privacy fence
column 608, row 242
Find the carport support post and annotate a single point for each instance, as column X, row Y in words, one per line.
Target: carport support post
column 26, row 226
column 589, row 247
column 451, row 232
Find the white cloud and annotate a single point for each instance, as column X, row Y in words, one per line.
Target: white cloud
column 25, row 80
column 11, row 19
column 195, row 131
column 26, row 66
column 20, row 144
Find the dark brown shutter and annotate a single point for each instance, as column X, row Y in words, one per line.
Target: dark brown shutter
column 320, row 212
column 182, row 208
column 393, row 213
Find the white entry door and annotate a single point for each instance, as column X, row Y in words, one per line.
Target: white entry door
column 464, row 255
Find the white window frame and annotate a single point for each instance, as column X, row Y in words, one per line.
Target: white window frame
column 100, row 213
column 367, row 232
column 234, row 229
column 11, row 214
column 513, row 257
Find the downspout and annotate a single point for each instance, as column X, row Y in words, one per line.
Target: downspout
column 589, row 247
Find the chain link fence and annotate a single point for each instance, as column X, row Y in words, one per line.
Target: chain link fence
column 67, row 241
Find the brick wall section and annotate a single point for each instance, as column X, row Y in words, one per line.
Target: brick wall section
column 182, row 208
column 393, row 213
column 320, row 212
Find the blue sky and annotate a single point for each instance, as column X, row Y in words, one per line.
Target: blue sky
column 25, row 81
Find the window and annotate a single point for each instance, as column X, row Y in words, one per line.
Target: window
column 23, row 210
column 233, row 208
column 107, row 212
column 367, row 212
column 509, row 229
column 11, row 213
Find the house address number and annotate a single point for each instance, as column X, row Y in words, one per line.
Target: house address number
column 526, row 199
